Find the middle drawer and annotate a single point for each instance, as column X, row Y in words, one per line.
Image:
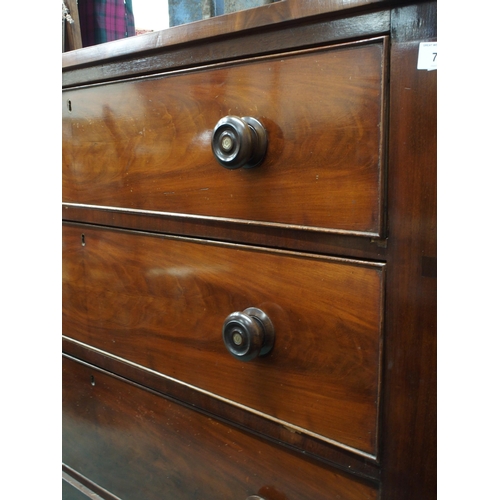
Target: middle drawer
column 161, row 302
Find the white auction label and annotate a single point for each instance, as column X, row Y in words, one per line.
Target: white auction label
column 427, row 56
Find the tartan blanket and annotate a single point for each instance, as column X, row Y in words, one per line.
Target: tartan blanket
column 105, row 20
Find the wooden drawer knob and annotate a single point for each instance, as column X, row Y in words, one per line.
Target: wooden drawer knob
column 248, row 334
column 239, row 142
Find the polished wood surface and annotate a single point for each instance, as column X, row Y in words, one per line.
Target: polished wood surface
column 320, row 30
column 161, row 303
column 278, row 13
column 75, row 486
column 410, row 375
column 337, row 457
column 139, row 445
column 290, row 238
column 69, row 492
column 156, row 300
column 146, row 144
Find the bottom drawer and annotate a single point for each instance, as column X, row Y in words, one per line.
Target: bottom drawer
column 139, row 446
column 71, row 493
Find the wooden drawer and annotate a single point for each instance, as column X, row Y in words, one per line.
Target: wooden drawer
column 161, row 302
column 145, row 143
column 69, row 492
column 137, row 445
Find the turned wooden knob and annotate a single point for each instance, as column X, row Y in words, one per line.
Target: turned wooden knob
column 239, row 142
column 248, row 334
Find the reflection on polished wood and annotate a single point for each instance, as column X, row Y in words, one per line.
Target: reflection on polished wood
column 263, row 17
column 141, row 446
column 162, row 302
column 146, row 144
column 161, row 244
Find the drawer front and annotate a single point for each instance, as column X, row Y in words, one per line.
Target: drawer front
column 161, row 303
column 69, row 492
column 136, row 444
column 145, row 144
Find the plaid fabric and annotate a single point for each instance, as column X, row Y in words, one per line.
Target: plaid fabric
column 105, row 20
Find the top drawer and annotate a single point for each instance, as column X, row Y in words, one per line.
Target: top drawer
column 145, row 143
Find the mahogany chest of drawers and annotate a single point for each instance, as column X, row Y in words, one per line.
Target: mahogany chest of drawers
column 249, row 252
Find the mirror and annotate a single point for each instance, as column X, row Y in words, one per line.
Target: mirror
column 92, row 22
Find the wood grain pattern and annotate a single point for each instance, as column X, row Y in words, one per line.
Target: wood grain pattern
column 146, row 144
column 161, row 303
column 335, row 456
column 410, row 416
column 155, row 302
column 341, row 245
column 252, row 19
column 237, row 45
column 139, row 445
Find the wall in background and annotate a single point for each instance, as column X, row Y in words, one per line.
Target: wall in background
column 151, row 15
